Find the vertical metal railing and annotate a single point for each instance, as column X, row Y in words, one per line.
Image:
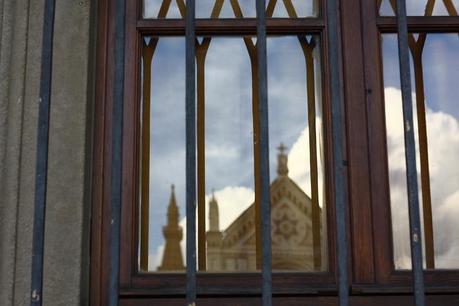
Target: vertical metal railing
column 190, row 105
column 265, row 197
column 116, row 166
column 41, row 176
column 410, row 155
column 334, row 47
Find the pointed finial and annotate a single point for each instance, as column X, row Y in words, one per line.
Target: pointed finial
column 282, row 159
column 282, row 148
column 213, row 214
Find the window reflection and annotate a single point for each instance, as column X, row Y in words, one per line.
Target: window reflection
column 435, row 71
column 230, row 8
column 227, row 144
column 229, row 165
column 421, row 7
column 162, row 220
column 295, row 118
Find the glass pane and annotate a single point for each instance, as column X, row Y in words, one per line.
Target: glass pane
column 292, row 8
column 162, row 9
column 421, row 7
column 204, row 8
column 229, row 166
column 435, row 71
column 162, row 226
column 230, row 8
column 299, row 238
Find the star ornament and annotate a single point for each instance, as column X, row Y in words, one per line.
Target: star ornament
column 285, row 227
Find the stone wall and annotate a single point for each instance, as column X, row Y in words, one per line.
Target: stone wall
column 68, row 206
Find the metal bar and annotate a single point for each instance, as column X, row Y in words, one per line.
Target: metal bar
column 334, row 47
column 190, row 104
column 41, row 178
column 265, row 203
column 116, row 167
column 410, row 155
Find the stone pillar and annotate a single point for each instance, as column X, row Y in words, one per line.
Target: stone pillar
column 68, row 206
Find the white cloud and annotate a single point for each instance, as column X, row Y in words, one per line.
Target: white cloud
column 299, row 162
column 443, row 141
column 232, row 201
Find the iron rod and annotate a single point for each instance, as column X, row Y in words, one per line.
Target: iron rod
column 41, row 176
column 190, row 110
column 116, row 165
column 265, row 196
column 334, row 47
column 410, row 155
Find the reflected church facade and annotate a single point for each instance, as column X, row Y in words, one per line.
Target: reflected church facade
column 234, row 248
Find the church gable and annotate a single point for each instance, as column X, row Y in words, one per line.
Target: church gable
column 290, row 226
column 291, row 230
column 291, row 220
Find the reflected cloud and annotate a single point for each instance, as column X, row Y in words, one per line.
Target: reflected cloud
column 443, row 130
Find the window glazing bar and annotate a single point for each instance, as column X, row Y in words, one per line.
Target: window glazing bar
column 116, row 164
column 334, row 47
column 265, row 197
column 410, row 155
column 41, row 176
column 190, row 111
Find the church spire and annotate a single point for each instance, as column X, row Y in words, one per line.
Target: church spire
column 214, row 225
column 282, row 159
column 172, row 256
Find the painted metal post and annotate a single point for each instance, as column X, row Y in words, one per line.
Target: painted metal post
column 410, row 155
column 190, row 110
column 117, row 142
column 336, row 89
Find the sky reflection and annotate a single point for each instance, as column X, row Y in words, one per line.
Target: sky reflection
column 441, row 74
column 204, row 8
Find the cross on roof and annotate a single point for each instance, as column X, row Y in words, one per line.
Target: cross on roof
column 282, row 148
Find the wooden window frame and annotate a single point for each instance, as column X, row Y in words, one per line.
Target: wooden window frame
column 371, row 271
column 385, row 273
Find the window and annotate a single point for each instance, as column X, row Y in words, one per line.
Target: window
column 228, row 178
column 304, row 261
column 432, row 71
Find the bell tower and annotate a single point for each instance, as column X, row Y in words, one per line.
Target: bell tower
column 172, row 256
column 214, row 223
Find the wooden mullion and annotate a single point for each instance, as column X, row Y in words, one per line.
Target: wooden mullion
column 246, row 26
column 420, row 24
